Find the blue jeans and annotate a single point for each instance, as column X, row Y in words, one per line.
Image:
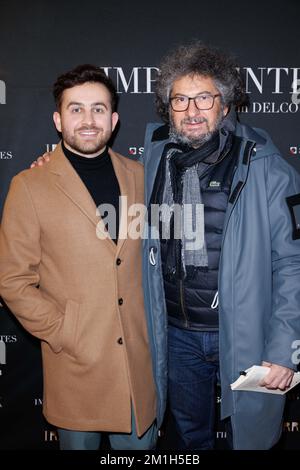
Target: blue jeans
column 193, row 374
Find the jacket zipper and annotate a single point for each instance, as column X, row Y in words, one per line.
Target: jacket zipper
column 181, row 291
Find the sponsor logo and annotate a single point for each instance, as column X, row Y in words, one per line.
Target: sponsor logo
column 2, row 92
column 136, row 150
column 6, row 155
column 214, row 184
column 295, row 150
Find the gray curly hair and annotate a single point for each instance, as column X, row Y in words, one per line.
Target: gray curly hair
column 199, row 59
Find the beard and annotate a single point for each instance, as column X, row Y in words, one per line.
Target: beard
column 179, row 137
column 86, row 147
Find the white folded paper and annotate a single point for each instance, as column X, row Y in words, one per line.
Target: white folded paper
column 249, row 381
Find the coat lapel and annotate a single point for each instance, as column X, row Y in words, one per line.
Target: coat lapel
column 70, row 183
column 126, row 181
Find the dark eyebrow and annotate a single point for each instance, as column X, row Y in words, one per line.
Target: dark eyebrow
column 99, row 103
column 76, row 103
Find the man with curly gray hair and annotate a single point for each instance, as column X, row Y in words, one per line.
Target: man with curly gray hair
column 228, row 265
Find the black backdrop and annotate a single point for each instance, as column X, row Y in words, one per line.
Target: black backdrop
column 39, row 39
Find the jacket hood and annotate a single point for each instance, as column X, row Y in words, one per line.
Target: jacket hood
column 264, row 144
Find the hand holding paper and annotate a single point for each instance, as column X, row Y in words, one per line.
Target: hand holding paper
column 278, row 377
column 252, row 378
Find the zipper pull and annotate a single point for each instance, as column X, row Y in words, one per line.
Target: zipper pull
column 215, row 302
column 152, row 256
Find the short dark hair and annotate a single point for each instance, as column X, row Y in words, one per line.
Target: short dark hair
column 198, row 59
column 80, row 75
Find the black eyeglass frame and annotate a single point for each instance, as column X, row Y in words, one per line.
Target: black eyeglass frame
column 194, row 99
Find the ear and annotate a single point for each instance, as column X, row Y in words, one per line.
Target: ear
column 57, row 120
column 114, row 120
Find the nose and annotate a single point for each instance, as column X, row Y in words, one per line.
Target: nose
column 192, row 108
column 89, row 117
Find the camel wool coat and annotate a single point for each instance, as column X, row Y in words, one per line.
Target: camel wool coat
column 71, row 286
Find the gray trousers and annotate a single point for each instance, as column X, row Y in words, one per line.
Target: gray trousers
column 88, row 440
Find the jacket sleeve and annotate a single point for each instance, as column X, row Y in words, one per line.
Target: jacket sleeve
column 284, row 328
column 20, row 256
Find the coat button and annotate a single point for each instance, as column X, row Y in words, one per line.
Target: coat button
column 121, row 301
column 118, row 262
column 120, row 341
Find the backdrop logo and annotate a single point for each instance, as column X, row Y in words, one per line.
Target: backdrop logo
column 6, row 155
column 291, row 426
column 280, row 87
column 8, row 338
column 133, row 80
column 271, row 82
column 296, row 92
column 136, row 150
column 50, row 147
column 2, row 352
column 295, row 150
column 50, row 436
column 3, row 340
column 2, row 92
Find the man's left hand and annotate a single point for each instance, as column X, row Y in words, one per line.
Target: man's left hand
column 278, row 377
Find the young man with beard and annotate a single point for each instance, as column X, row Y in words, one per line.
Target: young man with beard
column 76, row 284
column 232, row 297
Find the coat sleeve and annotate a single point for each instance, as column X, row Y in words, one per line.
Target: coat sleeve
column 284, row 328
column 20, row 255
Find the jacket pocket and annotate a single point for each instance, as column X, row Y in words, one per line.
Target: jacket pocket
column 70, row 327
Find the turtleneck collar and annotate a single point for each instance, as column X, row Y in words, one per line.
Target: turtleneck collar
column 84, row 162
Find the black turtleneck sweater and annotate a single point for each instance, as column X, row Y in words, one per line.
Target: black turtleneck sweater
column 98, row 175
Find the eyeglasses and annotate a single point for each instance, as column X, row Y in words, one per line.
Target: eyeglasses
column 203, row 101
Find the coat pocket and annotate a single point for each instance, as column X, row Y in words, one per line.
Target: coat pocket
column 70, row 327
